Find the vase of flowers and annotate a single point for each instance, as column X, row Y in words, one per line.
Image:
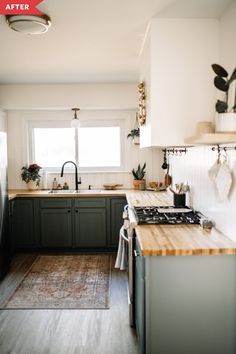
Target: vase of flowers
column 30, row 175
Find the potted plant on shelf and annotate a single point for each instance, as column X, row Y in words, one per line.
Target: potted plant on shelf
column 225, row 121
column 31, row 176
column 139, row 181
column 134, row 135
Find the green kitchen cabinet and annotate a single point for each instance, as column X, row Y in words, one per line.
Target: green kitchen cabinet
column 185, row 304
column 140, row 297
column 116, row 221
column 23, row 223
column 90, row 227
column 64, row 222
column 56, row 222
column 56, row 230
column 90, row 222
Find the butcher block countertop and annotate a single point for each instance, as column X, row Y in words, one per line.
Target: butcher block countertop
column 176, row 240
column 24, row 193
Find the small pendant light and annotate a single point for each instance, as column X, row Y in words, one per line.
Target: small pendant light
column 75, row 123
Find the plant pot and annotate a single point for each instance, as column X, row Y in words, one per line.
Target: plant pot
column 32, row 186
column 139, row 184
column 225, row 123
column 136, row 140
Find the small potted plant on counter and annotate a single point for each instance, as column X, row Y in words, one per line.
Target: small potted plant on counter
column 30, row 175
column 134, row 135
column 139, row 181
column 226, row 118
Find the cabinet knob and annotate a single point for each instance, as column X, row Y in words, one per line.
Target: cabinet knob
column 68, row 211
column 77, row 211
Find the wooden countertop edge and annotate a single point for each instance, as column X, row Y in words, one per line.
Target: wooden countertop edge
column 45, row 194
column 183, row 252
column 148, row 251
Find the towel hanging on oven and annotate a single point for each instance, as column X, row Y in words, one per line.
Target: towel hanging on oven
column 121, row 258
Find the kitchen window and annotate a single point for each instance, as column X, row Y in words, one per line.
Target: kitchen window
column 95, row 146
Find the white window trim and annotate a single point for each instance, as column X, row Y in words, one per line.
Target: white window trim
column 83, row 123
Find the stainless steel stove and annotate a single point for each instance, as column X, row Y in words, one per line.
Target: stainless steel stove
column 166, row 215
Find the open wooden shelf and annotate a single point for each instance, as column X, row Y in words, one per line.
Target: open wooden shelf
column 211, row 139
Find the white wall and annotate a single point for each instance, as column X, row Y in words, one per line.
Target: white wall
column 193, row 168
column 66, row 96
column 3, row 126
column 227, row 42
column 195, row 165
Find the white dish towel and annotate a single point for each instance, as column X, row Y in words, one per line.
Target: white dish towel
column 121, row 258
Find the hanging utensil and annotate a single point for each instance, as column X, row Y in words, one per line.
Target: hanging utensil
column 168, row 178
column 164, row 165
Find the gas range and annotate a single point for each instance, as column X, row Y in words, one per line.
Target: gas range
column 166, row 215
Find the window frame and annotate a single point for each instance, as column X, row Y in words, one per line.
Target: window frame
column 32, row 124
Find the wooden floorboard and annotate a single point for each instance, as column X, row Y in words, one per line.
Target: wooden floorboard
column 65, row 331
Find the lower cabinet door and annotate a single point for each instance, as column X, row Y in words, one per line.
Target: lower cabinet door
column 56, row 230
column 23, row 233
column 90, row 227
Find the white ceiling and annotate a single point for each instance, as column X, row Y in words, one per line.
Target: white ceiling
column 90, row 41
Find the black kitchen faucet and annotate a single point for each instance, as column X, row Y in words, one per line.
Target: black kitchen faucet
column 77, row 180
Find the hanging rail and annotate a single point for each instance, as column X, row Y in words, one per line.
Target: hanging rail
column 219, row 148
column 175, row 151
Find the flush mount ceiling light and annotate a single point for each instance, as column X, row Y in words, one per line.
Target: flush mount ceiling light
column 29, row 24
column 75, row 121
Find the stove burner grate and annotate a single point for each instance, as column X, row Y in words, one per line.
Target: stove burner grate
column 166, row 215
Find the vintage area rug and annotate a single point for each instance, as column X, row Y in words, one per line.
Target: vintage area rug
column 65, row 282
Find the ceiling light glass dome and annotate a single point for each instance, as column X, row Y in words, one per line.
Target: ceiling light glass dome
column 29, row 24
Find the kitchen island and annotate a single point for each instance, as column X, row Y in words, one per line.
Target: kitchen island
column 185, row 286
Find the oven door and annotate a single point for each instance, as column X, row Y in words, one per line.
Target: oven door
column 128, row 237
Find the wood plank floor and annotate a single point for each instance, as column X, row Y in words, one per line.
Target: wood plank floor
column 65, row 331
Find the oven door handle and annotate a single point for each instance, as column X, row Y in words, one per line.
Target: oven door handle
column 136, row 254
column 124, row 237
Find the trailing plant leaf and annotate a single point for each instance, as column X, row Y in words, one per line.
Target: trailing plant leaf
column 219, row 70
column 133, row 133
column 221, row 106
column 221, row 84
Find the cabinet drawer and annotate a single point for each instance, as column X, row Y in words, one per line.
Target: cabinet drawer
column 55, row 203
column 90, row 202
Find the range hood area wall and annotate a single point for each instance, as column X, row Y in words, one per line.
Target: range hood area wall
column 193, row 168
